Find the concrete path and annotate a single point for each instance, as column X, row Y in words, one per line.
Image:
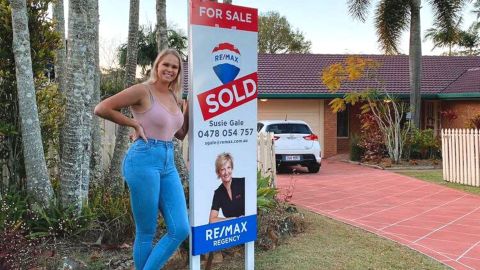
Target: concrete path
column 440, row 222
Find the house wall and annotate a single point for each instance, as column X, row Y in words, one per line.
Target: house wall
column 330, row 131
column 464, row 111
column 343, row 144
column 308, row 110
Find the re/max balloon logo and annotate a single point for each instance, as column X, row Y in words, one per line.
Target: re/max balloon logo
column 226, row 62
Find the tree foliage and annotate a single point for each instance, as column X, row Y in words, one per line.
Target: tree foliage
column 275, row 35
column 387, row 111
column 147, row 46
column 392, row 18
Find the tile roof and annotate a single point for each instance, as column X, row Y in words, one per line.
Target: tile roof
column 468, row 82
column 300, row 74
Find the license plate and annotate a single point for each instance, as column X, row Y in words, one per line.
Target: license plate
column 292, row 158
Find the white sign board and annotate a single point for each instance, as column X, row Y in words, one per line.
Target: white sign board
column 223, row 120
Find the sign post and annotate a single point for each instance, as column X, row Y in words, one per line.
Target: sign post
column 223, row 120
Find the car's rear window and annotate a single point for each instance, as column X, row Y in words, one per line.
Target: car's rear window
column 288, row 128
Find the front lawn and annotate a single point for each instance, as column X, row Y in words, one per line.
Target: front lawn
column 435, row 176
column 330, row 244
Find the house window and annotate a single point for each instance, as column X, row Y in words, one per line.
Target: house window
column 342, row 123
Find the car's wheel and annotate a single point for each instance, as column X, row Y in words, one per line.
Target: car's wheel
column 314, row 168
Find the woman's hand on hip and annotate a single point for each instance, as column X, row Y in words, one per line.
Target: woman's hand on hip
column 138, row 133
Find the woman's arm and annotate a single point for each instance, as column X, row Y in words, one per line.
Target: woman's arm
column 183, row 131
column 215, row 218
column 110, row 108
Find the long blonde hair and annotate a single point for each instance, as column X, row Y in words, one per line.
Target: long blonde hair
column 175, row 85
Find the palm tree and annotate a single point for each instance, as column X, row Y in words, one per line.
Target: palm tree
column 96, row 167
column 161, row 37
column 392, row 17
column 38, row 182
column 76, row 149
column 121, row 140
column 162, row 43
column 476, row 8
column 442, row 37
column 58, row 16
column 470, row 40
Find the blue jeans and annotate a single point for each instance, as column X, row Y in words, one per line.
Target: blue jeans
column 154, row 185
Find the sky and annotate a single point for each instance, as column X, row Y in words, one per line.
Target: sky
column 326, row 23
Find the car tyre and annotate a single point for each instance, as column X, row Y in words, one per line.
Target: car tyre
column 314, row 168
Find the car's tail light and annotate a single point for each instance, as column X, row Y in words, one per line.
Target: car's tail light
column 311, row 137
column 276, row 138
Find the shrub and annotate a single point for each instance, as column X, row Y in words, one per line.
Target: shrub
column 16, row 250
column 356, row 151
column 277, row 223
column 371, row 139
column 474, row 122
column 265, row 193
column 422, row 144
column 113, row 221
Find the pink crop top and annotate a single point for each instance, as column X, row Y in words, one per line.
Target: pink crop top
column 157, row 121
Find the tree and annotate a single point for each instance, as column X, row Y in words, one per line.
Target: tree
column 386, row 110
column 76, row 149
column 392, row 17
column 444, row 37
column 470, row 40
column 121, row 140
column 96, row 168
column 275, row 35
column 38, row 182
column 476, row 8
column 162, row 43
column 161, row 33
column 148, row 48
column 61, row 54
column 43, row 42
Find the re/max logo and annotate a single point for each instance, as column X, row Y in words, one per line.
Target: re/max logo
column 225, row 231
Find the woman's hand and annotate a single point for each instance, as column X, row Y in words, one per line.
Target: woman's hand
column 138, row 133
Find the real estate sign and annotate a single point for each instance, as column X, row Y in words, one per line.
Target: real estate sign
column 223, row 117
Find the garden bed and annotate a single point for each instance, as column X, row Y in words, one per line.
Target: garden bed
column 413, row 164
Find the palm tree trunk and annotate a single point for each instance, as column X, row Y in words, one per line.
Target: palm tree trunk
column 59, row 17
column 161, row 35
column 38, row 182
column 121, row 141
column 76, row 151
column 415, row 62
column 96, row 136
column 162, row 43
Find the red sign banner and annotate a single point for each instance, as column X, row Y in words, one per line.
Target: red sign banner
column 228, row 96
column 224, row 16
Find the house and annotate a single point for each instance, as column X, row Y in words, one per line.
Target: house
column 290, row 87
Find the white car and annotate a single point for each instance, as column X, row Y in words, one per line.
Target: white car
column 295, row 143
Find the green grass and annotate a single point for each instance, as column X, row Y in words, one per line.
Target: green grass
column 435, row 176
column 330, row 244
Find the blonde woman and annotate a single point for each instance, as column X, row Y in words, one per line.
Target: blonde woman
column 230, row 195
column 148, row 166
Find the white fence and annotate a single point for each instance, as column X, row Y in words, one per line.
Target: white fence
column 460, row 154
column 266, row 156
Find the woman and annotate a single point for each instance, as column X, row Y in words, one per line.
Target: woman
column 230, row 195
column 148, row 166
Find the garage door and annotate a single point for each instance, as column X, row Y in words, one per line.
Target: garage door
column 310, row 111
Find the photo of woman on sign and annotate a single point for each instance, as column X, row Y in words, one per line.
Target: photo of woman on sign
column 230, row 195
